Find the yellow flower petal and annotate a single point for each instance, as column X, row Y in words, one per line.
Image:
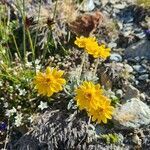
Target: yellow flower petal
column 49, row 82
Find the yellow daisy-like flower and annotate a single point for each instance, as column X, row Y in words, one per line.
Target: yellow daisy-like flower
column 98, row 51
column 87, row 95
column 103, row 112
column 91, row 46
column 49, row 82
column 90, row 97
column 82, row 41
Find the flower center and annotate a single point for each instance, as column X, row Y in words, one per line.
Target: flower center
column 88, row 95
column 48, row 80
column 101, row 110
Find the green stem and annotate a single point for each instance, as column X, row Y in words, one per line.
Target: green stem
column 24, row 32
column 36, row 35
column 32, row 48
column 54, row 14
column 14, row 39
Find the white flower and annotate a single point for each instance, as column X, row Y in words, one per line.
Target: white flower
column 18, row 120
column 29, row 64
column 10, row 112
column 5, row 104
column 38, row 67
column 17, row 86
column 22, row 92
column 37, row 61
column 43, row 105
column 2, row 98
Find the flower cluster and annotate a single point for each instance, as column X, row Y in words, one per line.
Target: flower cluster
column 90, row 97
column 49, row 82
column 92, row 47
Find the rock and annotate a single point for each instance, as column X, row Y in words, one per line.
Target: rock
column 87, row 5
column 143, row 77
column 113, row 1
column 115, row 57
column 120, row 25
column 139, row 68
column 112, row 44
column 104, row 2
column 141, row 48
column 132, row 114
column 131, row 92
column 119, row 6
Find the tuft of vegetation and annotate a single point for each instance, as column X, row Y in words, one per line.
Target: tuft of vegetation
column 111, row 138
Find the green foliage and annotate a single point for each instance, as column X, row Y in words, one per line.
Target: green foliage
column 110, row 138
column 115, row 100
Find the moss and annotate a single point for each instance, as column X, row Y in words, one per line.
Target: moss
column 110, row 138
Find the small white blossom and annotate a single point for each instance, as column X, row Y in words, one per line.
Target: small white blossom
column 2, row 98
column 5, row 105
column 17, row 86
column 22, row 92
column 18, row 120
column 29, row 64
column 10, row 112
column 37, row 61
column 43, row 105
column 38, row 67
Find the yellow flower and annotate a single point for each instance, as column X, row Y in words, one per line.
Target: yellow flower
column 49, row 82
column 82, row 41
column 90, row 97
column 98, row 51
column 103, row 112
column 87, row 95
column 91, row 46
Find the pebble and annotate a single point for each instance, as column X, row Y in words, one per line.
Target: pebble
column 144, row 77
column 116, row 57
column 120, row 25
column 140, row 49
column 119, row 6
column 112, row 45
column 133, row 114
column 87, row 5
column 131, row 92
column 139, row 68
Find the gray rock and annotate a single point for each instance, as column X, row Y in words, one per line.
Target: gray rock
column 141, row 48
column 132, row 114
column 112, row 44
column 87, row 5
column 144, row 77
column 140, row 35
column 131, row 92
column 115, row 57
column 120, row 6
column 120, row 24
column 113, row 1
column 139, row 68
